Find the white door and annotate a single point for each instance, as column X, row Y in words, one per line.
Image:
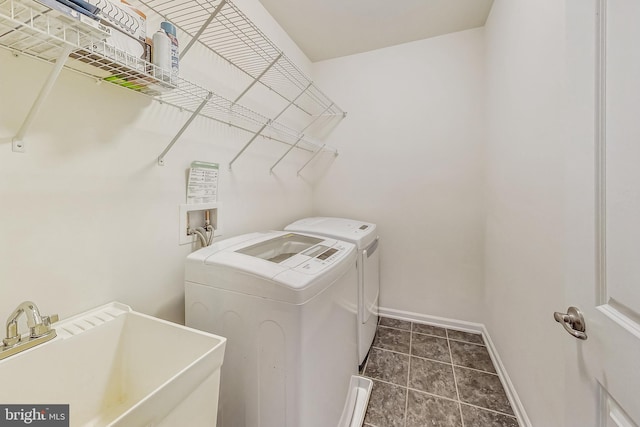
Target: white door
column 603, row 212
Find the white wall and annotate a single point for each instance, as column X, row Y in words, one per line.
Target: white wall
column 87, row 214
column 455, row 147
column 411, row 161
column 525, row 198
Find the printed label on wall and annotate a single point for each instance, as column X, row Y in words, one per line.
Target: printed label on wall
column 202, row 186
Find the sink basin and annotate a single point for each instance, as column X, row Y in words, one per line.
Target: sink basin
column 117, row 367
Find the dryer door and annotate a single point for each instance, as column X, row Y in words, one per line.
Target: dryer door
column 370, row 281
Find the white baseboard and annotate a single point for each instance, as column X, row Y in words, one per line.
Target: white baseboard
column 461, row 325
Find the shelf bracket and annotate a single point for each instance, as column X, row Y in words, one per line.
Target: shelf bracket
column 257, row 79
column 17, row 143
column 317, row 117
column 248, row 143
column 312, row 157
column 285, row 154
column 195, row 38
column 183, row 128
column 292, row 101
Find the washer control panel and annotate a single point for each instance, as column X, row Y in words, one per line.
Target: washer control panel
column 327, row 254
column 321, row 257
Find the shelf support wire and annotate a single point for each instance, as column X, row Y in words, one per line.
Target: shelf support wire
column 257, row 79
column 312, row 157
column 17, row 143
column 253, row 138
column 183, row 128
column 285, row 154
column 317, row 117
column 195, row 38
column 293, row 101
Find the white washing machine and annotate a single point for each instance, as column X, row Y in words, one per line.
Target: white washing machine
column 364, row 236
column 286, row 302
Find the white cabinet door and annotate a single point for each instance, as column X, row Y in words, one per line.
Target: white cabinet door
column 603, row 212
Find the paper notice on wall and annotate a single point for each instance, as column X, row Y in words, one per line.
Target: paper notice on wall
column 202, row 185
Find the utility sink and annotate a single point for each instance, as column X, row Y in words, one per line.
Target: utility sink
column 118, row 367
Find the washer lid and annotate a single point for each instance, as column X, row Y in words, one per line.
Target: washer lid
column 278, row 265
column 350, row 230
column 280, row 249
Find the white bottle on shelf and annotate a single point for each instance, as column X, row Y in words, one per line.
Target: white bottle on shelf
column 161, row 55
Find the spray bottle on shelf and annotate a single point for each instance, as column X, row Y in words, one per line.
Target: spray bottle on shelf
column 170, row 29
column 161, row 55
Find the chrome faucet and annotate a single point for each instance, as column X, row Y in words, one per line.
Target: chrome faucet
column 39, row 326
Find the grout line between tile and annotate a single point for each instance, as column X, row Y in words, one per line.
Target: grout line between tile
column 406, row 406
column 432, row 394
column 455, row 380
column 424, row 333
column 489, row 410
column 409, row 370
column 392, row 351
column 407, row 388
column 406, row 399
column 467, row 342
column 394, row 328
column 431, row 335
column 431, row 360
column 425, row 392
column 476, row 406
column 386, row 382
column 474, row 369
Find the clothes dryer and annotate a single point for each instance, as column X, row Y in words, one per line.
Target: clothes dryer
column 286, row 302
column 364, row 236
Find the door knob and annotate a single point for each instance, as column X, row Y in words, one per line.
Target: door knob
column 573, row 322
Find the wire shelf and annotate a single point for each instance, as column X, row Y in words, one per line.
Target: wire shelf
column 36, row 30
column 33, row 29
column 189, row 96
column 222, row 28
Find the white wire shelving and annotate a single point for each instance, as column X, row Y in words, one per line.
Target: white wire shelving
column 30, row 28
column 221, row 27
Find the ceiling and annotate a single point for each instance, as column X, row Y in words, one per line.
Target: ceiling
column 326, row 29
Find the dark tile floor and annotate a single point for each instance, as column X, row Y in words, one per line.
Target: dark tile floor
column 429, row 376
